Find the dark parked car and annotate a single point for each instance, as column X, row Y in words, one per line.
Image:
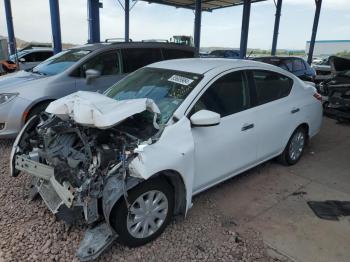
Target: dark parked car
column 224, row 53
column 295, row 65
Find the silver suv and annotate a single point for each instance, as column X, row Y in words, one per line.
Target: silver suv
column 89, row 68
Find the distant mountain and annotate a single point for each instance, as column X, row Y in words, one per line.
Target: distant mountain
column 22, row 43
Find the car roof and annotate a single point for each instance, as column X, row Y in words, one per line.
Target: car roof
column 203, row 65
column 109, row 45
column 35, row 49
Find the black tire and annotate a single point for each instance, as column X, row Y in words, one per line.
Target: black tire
column 285, row 158
column 119, row 213
column 36, row 110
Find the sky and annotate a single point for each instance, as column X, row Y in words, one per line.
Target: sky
column 220, row 28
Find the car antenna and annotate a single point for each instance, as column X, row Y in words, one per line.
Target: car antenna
column 250, row 53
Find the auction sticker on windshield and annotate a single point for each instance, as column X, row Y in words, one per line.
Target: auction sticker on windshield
column 180, row 80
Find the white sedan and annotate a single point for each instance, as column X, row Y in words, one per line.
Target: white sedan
column 131, row 159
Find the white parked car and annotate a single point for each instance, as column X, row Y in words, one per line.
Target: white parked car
column 131, row 159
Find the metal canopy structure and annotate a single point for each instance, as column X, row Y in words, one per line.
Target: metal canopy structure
column 206, row 5
column 197, row 5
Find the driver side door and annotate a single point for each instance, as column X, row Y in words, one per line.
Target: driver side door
column 224, row 150
column 109, row 66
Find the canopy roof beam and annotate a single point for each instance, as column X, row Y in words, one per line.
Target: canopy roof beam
column 94, row 21
column 314, row 30
column 276, row 27
column 55, row 26
column 197, row 25
column 245, row 28
column 10, row 30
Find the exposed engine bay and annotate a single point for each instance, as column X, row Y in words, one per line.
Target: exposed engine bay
column 72, row 163
column 336, row 91
column 82, row 158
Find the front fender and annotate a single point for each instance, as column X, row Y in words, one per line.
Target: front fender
column 173, row 151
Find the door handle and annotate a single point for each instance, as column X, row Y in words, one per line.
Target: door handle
column 295, row 110
column 245, row 127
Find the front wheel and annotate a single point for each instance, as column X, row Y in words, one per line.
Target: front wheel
column 151, row 208
column 295, row 147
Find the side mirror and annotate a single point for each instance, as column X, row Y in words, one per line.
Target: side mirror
column 22, row 60
column 205, row 118
column 91, row 74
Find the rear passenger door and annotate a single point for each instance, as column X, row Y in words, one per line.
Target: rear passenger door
column 274, row 111
column 229, row 147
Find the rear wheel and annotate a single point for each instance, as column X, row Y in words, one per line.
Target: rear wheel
column 151, row 208
column 295, row 147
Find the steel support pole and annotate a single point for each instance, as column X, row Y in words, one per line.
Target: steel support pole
column 314, row 30
column 55, row 26
column 276, row 28
column 197, row 25
column 127, row 13
column 245, row 28
column 94, row 21
column 10, row 30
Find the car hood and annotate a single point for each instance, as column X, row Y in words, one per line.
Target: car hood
column 15, row 79
column 97, row 110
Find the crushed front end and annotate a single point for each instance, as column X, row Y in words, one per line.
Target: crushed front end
column 337, row 89
column 71, row 165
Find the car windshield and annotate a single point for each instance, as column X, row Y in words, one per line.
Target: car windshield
column 60, row 62
column 167, row 88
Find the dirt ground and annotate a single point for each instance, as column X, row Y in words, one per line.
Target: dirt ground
column 260, row 215
column 29, row 232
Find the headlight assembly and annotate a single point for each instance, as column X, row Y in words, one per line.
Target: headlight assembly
column 6, row 97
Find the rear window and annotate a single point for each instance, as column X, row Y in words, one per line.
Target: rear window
column 271, row 86
column 298, row 65
column 175, row 54
column 135, row 58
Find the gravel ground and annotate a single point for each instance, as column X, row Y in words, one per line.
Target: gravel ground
column 29, row 232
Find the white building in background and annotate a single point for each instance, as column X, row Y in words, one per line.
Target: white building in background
column 329, row 47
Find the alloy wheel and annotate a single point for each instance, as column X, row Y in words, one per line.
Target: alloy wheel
column 296, row 145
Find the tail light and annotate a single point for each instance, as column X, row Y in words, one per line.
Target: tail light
column 318, row 97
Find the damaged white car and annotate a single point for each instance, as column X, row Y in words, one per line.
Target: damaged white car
column 129, row 160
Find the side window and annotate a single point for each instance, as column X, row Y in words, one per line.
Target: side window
column 135, row 58
column 42, row 56
column 298, row 65
column 226, row 96
column 174, row 54
column 106, row 64
column 29, row 57
column 289, row 65
column 271, row 86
